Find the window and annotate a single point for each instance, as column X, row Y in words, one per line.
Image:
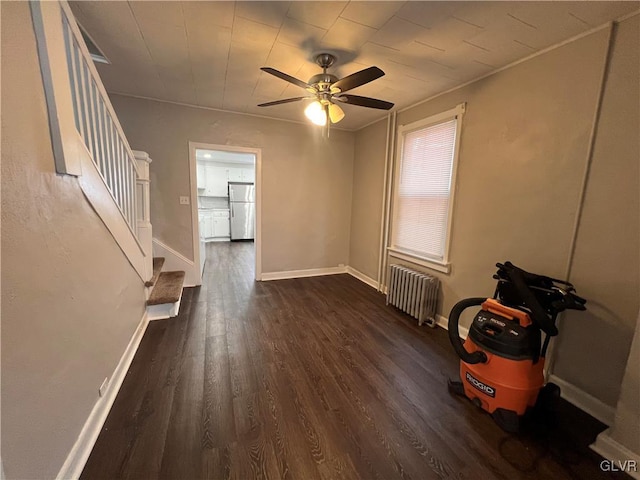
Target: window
column 423, row 193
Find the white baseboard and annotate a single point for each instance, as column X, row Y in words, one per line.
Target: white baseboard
column 312, row 272
column 614, row 451
column 585, row 402
column 79, row 454
column 362, row 277
column 443, row 322
column 176, row 261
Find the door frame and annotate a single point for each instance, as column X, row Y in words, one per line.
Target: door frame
column 257, row 152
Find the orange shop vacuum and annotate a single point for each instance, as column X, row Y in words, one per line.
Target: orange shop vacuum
column 502, row 360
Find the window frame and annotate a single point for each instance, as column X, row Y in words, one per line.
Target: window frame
column 441, row 265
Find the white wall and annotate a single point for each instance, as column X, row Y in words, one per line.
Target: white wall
column 366, row 207
column 70, row 299
column 306, row 179
column 606, row 266
column 524, row 144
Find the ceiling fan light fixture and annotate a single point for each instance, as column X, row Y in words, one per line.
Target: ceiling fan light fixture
column 316, row 113
column 335, row 113
column 327, row 88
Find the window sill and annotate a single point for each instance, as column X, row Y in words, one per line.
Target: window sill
column 418, row 260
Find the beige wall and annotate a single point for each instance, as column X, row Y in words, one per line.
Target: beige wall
column 366, row 206
column 70, row 299
column 626, row 428
column 306, row 180
column 523, row 151
column 606, row 264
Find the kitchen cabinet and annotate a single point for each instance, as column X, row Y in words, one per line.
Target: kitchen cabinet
column 221, row 224
column 208, row 225
column 242, row 175
column 235, row 174
column 201, row 176
column 214, row 179
column 217, row 179
column 215, row 224
column 249, row 175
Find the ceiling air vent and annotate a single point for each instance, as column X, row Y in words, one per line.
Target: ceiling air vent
column 96, row 53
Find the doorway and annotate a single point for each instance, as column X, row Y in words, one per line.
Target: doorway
column 225, row 201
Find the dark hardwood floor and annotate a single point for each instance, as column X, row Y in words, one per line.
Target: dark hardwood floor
column 311, row 378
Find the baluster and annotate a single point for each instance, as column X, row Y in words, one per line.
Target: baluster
column 125, row 184
column 121, row 179
column 117, row 172
column 97, row 120
column 69, row 44
column 92, row 116
column 86, row 101
column 99, row 130
column 108, row 151
column 114, row 156
column 134, row 189
column 132, row 194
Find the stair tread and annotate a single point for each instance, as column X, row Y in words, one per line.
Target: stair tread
column 167, row 289
column 158, row 262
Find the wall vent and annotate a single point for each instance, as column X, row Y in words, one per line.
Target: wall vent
column 96, row 53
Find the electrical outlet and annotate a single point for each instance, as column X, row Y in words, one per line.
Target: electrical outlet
column 184, row 200
column 341, row 264
column 103, row 387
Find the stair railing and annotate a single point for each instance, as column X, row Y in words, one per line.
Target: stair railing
column 87, row 138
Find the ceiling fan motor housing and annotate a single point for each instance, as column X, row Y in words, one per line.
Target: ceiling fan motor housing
column 323, row 80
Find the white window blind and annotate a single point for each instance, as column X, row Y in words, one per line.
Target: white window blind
column 423, row 195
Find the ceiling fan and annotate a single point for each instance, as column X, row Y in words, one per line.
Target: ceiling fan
column 327, row 91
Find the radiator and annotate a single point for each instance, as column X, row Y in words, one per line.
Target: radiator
column 413, row 292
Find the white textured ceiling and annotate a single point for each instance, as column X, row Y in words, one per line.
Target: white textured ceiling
column 210, row 53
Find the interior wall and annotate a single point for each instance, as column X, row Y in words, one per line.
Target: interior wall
column 70, row 299
column 306, row 179
column 606, row 264
column 524, row 144
column 626, row 428
column 366, row 207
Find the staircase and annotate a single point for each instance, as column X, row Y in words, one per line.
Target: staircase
column 164, row 291
column 90, row 145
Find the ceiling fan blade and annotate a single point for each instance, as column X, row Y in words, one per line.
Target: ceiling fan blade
column 279, row 102
column 285, row 77
column 356, row 79
column 365, row 102
column 335, row 113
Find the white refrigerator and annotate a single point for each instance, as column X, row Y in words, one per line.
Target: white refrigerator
column 242, row 211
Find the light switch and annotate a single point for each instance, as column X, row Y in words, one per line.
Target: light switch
column 184, row 200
